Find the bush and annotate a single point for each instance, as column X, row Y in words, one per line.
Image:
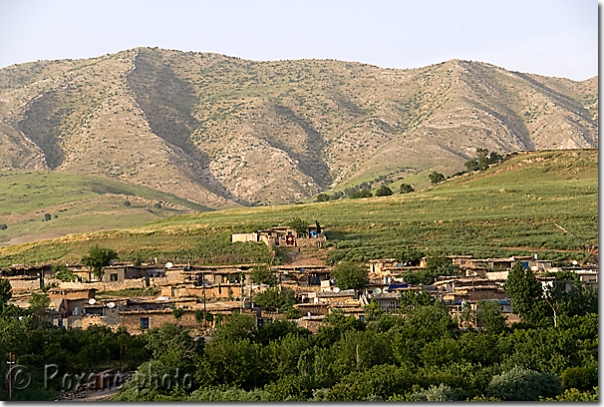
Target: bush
column 383, row 191
column 406, row 188
column 322, row 198
column 436, row 177
column 127, row 203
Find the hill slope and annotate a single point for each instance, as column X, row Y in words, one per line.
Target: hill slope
column 226, row 132
column 77, row 204
column 510, row 209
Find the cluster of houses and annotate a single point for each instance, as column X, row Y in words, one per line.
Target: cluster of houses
column 221, row 290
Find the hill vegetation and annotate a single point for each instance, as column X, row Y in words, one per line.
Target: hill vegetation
column 42, row 204
column 544, row 202
column 225, row 132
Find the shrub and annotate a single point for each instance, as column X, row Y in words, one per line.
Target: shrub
column 520, row 384
column 406, row 188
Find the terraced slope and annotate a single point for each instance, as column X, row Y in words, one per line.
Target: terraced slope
column 225, row 132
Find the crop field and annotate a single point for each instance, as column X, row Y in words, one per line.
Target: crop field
column 544, row 202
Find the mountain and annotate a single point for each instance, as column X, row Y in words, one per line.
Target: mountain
column 225, row 132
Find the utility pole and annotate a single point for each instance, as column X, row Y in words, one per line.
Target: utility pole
column 11, row 362
column 203, row 284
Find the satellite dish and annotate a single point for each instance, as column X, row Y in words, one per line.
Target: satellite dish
column 336, row 290
column 169, row 265
column 110, row 304
column 377, row 291
column 575, row 262
column 91, row 301
column 111, row 262
column 534, row 268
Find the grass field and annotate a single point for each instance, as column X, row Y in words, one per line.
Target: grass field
column 77, row 204
column 512, row 208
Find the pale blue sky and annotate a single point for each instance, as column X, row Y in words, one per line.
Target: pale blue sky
column 547, row 37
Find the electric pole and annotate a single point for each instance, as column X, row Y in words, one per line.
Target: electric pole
column 11, row 362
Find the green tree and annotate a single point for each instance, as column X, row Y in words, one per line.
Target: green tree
column 520, row 384
column 6, row 293
column 38, row 302
column 489, row 315
column 275, row 299
column 262, row 275
column 350, row 275
column 406, row 188
column 361, row 193
column 436, row 177
column 525, row 294
column 177, row 312
column 98, row 258
column 300, row 226
column 322, row 198
column 383, row 191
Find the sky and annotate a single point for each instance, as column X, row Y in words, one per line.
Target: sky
column 547, row 37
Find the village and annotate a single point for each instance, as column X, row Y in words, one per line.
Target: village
column 220, row 290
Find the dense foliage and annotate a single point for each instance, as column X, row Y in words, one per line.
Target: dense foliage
column 419, row 354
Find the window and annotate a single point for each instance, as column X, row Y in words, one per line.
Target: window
column 113, row 277
column 144, row 323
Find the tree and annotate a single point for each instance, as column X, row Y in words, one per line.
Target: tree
column 322, row 197
column 350, row 275
column 202, row 316
column 520, row 384
column 436, row 177
column 177, row 312
column 275, row 299
column 262, row 275
column 525, row 293
column 361, row 193
column 98, row 258
column 3, row 226
column 38, row 304
column 406, row 188
column 6, row 293
column 300, row 226
column 47, row 216
column 490, row 316
column 383, row 191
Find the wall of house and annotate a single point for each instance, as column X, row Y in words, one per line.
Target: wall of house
column 244, row 237
column 157, row 319
column 21, row 284
column 101, row 286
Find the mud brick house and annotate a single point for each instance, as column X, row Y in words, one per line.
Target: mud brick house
column 25, row 278
column 305, row 276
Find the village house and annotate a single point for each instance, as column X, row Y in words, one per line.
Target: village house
column 284, row 236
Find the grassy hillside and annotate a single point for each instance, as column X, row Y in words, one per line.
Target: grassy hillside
column 226, row 132
column 77, row 204
column 511, row 208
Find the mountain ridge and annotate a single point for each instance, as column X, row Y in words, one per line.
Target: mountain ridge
column 224, row 132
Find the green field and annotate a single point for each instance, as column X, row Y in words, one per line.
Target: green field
column 77, row 204
column 512, row 208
